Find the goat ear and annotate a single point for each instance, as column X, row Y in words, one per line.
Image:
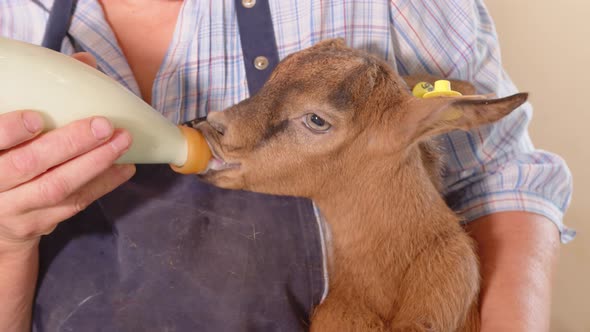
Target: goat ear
column 428, row 117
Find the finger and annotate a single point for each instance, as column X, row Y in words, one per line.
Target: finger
column 59, row 183
column 93, row 190
column 86, row 58
column 43, row 221
column 18, row 127
column 27, row 161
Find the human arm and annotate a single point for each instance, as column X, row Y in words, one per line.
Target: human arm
column 517, row 198
column 518, row 252
column 45, row 179
column 18, row 274
column 495, row 169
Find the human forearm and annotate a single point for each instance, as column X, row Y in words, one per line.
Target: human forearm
column 518, row 251
column 45, row 178
column 18, row 275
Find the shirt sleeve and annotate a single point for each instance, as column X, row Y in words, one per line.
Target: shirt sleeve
column 23, row 20
column 493, row 168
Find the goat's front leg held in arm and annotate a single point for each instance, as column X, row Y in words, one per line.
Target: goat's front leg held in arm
column 436, row 299
column 338, row 314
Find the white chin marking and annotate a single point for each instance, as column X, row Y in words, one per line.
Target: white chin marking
column 218, row 165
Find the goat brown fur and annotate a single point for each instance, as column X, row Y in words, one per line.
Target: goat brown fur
column 400, row 261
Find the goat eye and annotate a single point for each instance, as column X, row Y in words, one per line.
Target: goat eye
column 315, row 122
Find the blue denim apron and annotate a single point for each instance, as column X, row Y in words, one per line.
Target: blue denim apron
column 167, row 252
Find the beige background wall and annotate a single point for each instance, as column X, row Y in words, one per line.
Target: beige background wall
column 546, row 51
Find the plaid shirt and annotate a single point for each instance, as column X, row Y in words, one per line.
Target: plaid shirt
column 490, row 169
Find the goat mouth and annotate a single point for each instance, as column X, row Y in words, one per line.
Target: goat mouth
column 217, row 163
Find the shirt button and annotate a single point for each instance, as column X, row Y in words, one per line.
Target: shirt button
column 248, row 3
column 261, row 62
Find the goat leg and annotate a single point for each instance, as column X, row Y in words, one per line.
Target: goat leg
column 440, row 290
column 473, row 321
column 338, row 314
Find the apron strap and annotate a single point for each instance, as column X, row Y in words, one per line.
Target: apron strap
column 259, row 46
column 58, row 23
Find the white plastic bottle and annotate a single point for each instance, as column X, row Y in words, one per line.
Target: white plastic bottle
column 64, row 90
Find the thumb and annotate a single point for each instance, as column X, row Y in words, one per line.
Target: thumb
column 86, row 58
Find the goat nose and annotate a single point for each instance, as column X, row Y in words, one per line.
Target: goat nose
column 215, row 119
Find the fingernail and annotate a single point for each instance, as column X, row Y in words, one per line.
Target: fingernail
column 32, row 121
column 121, row 142
column 101, row 128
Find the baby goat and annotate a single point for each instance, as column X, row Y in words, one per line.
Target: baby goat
column 340, row 127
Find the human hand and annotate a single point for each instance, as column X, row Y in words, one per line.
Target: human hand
column 46, row 178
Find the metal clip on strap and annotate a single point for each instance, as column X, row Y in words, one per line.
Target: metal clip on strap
column 258, row 41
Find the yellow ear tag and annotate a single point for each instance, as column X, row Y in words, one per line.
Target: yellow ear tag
column 442, row 88
column 422, row 88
